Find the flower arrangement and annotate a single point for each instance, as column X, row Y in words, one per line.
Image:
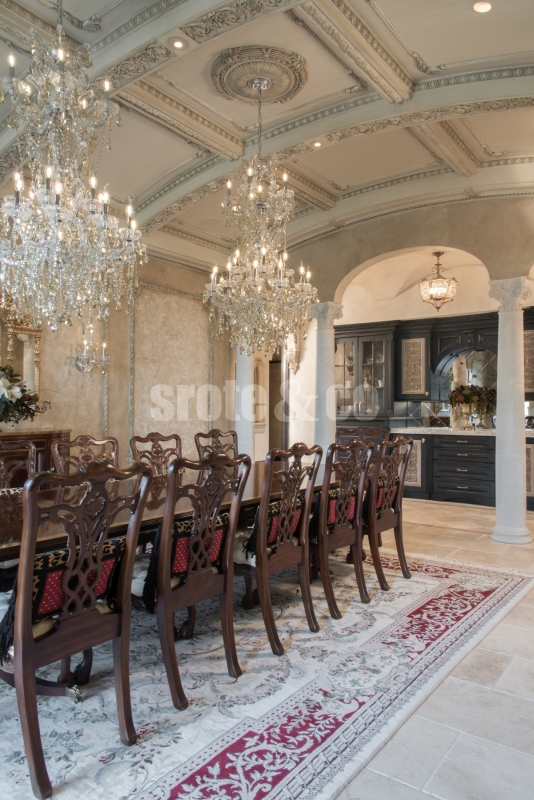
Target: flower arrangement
column 481, row 398
column 17, row 403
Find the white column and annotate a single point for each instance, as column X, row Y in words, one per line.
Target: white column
column 325, row 403
column 244, row 402
column 510, row 456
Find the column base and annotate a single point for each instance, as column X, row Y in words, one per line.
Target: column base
column 511, row 535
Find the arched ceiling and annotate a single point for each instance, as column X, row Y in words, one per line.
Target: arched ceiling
column 414, row 103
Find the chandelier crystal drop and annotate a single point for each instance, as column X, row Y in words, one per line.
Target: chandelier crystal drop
column 438, row 289
column 61, row 250
column 256, row 298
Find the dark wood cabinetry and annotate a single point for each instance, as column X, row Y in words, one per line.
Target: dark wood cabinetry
column 42, row 441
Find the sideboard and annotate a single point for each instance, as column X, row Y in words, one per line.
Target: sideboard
column 42, row 441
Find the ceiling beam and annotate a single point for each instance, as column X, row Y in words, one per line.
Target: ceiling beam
column 335, row 22
column 188, row 124
column 309, row 192
column 232, row 15
column 443, row 141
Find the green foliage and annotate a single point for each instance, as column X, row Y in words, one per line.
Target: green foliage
column 17, row 403
column 481, row 398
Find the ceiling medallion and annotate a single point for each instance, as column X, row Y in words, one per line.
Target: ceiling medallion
column 234, row 71
column 438, row 289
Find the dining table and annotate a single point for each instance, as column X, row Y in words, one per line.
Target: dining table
column 52, row 535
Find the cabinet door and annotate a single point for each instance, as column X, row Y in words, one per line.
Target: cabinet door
column 418, row 481
column 413, row 367
column 370, row 396
column 344, row 367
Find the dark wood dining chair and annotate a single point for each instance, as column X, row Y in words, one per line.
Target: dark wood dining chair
column 337, row 518
column 194, row 554
column 279, row 538
column 383, row 502
column 216, row 441
column 157, row 456
column 16, row 457
column 74, row 598
column 76, row 454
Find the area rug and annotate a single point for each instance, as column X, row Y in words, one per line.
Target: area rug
column 299, row 726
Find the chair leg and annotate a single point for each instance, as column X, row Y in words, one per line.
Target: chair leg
column 375, row 553
column 324, row 568
column 31, row 734
column 357, row 555
column 264, row 594
column 314, row 566
column 82, row 673
column 121, row 666
column 166, row 637
column 400, row 550
column 248, row 598
column 226, row 606
column 305, row 589
column 65, row 675
column 187, row 628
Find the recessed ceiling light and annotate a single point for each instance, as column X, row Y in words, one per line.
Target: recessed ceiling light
column 178, row 43
column 317, row 144
column 482, row 7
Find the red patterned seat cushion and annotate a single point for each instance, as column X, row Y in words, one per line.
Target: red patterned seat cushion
column 180, row 545
column 379, row 497
column 333, row 495
column 273, row 519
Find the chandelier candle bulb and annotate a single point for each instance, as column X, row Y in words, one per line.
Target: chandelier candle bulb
column 11, row 62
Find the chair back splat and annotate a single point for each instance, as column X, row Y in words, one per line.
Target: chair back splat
column 76, row 454
column 383, row 502
column 279, row 538
column 76, row 597
column 194, row 561
column 338, row 522
column 216, row 441
column 155, row 454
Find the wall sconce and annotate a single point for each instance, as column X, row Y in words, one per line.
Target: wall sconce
column 91, row 357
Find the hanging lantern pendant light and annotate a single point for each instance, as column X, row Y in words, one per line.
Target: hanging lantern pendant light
column 438, row 290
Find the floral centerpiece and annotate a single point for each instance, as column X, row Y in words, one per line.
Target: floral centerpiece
column 480, row 399
column 17, row 402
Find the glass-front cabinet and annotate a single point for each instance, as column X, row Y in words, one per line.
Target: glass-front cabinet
column 362, row 374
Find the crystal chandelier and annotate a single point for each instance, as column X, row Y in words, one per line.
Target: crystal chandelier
column 255, row 298
column 438, row 289
column 61, row 251
column 90, row 356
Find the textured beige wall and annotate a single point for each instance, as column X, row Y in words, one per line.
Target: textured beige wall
column 499, row 232
column 171, row 346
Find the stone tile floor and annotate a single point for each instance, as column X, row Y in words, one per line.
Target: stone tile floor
column 473, row 738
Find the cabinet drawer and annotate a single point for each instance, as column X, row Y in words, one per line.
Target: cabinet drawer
column 462, row 454
column 459, row 468
column 466, row 442
column 457, row 487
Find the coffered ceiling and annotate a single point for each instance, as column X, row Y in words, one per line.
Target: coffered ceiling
column 391, row 104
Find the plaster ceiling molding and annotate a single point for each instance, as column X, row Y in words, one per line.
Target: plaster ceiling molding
column 153, row 11
column 504, row 190
column 507, row 162
column 293, row 150
column 429, row 115
column 195, row 239
column 359, row 85
column 415, row 176
column 309, row 192
column 90, row 24
column 134, row 67
column 163, row 108
column 19, row 37
column 187, row 200
column 232, row 15
column 32, row 21
column 179, row 180
column 332, row 18
column 234, row 70
column 420, row 63
column 442, row 140
column 480, row 76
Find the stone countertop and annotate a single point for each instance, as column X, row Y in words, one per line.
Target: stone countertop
column 451, row 432
column 445, row 431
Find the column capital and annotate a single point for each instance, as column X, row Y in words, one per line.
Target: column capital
column 326, row 313
column 510, row 292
